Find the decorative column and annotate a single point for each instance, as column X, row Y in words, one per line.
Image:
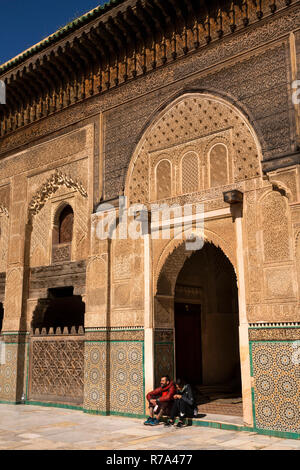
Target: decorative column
column 14, row 330
column 96, row 367
column 148, row 306
column 235, row 199
column 294, row 102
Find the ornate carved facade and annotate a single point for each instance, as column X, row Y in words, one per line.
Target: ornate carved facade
column 163, row 102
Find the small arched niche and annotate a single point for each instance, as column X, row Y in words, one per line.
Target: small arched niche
column 190, row 173
column 62, row 234
column 66, row 220
column 163, row 179
column 218, row 165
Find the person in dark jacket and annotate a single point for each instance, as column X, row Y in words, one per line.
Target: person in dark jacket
column 184, row 404
column 160, row 401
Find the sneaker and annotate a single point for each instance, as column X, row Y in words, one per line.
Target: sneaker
column 154, row 422
column 180, row 424
column 169, row 423
column 149, row 421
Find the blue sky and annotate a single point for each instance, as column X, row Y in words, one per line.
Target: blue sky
column 23, row 23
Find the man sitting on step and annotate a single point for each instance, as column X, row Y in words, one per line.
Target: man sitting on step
column 160, row 400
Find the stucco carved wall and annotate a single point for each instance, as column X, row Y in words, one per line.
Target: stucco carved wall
column 4, row 231
column 197, row 147
column 272, row 286
column 127, row 283
column 43, row 220
column 198, row 123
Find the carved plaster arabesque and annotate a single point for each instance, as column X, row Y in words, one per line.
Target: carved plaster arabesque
column 50, row 187
column 42, row 219
column 191, row 117
column 4, row 234
column 175, row 244
column 275, row 226
column 190, row 172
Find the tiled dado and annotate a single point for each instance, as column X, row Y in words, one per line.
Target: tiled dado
column 13, row 370
column 163, row 354
column 114, row 371
column 275, row 368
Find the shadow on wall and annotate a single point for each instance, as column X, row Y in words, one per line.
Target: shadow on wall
column 1, row 316
column 61, row 309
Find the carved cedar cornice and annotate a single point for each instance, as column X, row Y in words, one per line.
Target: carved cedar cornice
column 50, row 187
column 120, row 45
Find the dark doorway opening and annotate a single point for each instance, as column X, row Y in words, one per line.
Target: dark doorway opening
column 57, row 348
column 207, row 331
column 61, row 309
column 188, row 325
column 66, row 221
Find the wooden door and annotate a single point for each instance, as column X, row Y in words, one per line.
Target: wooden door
column 188, row 342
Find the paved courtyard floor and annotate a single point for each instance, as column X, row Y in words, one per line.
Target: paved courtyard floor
column 40, row 428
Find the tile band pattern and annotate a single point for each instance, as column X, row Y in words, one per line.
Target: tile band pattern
column 114, row 376
column 276, row 373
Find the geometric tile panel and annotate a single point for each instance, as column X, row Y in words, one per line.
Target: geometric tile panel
column 164, row 361
column 276, row 375
column 95, row 376
column 126, row 378
column 8, row 373
column 116, row 385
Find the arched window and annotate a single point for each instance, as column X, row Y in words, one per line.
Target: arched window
column 163, row 180
column 62, row 235
column 66, row 220
column 218, row 165
column 190, row 173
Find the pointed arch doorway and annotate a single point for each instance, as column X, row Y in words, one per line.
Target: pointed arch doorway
column 202, row 290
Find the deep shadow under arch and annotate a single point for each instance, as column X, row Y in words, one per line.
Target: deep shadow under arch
column 207, row 326
column 201, row 289
column 61, row 309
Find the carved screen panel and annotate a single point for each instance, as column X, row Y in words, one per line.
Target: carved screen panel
column 66, row 221
column 275, row 228
column 4, row 232
column 57, row 370
column 218, row 166
column 163, row 179
column 190, row 173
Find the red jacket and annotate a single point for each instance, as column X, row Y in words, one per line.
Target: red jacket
column 163, row 394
